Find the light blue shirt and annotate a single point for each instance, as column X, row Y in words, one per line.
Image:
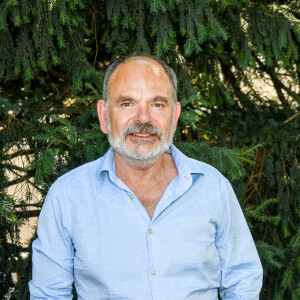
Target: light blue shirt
column 94, row 231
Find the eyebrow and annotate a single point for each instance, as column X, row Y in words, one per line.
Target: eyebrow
column 161, row 99
column 122, row 99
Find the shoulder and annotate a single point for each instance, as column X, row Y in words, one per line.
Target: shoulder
column 89, row 168
column 73, row 186
column 82, row 176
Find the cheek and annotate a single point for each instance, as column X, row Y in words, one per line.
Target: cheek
column 118, row 125
column 165, row 123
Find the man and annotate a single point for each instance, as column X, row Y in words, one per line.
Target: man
column 144, row 221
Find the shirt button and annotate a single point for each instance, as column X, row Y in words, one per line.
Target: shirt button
column 153, row 272
column 131, row 196
column 150, row 231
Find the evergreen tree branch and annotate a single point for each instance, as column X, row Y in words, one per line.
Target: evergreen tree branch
column 278, row 85
column 29, row 174
column 18, row 153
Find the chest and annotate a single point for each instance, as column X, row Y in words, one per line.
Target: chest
column 150, row 195
column 116, row 253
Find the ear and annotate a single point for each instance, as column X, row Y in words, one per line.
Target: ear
column 102, row 115
column 177, row 114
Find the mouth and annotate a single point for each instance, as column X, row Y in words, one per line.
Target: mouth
column 142, row 134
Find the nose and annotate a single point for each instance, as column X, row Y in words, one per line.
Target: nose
column 143, row 114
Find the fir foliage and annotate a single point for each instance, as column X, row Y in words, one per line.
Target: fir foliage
column 53, row 57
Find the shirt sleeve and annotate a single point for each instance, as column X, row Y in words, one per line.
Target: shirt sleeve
column 241, row 270
column 53, row 251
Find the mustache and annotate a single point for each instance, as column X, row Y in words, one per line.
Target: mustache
column 142, row 128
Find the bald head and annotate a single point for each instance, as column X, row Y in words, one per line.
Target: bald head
column 151, row 63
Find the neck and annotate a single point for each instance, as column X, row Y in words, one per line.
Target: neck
column 129, row 173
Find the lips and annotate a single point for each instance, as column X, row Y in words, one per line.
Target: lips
column 142, row 134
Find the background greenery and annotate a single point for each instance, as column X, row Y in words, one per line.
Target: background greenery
column 53, row 57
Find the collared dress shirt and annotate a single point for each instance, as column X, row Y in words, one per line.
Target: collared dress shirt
column 94, row 231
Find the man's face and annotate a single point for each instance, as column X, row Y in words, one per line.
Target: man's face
column 141, row 117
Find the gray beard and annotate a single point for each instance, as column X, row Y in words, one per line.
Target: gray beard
column 136, row 158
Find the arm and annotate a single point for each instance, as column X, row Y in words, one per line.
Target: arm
column 241, row 269
column 52, row 274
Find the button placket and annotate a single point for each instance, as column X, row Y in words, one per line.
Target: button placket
column 152, row 269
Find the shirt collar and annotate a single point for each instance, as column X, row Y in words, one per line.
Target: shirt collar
column 185, row 166
column 107, row 163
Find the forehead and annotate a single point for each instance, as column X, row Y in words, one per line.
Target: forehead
column 140, row 71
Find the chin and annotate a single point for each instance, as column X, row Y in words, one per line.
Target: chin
column 142, row 163
column 142, row 154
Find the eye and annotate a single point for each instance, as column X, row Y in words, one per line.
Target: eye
column 126, row 104
column 159, row 105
